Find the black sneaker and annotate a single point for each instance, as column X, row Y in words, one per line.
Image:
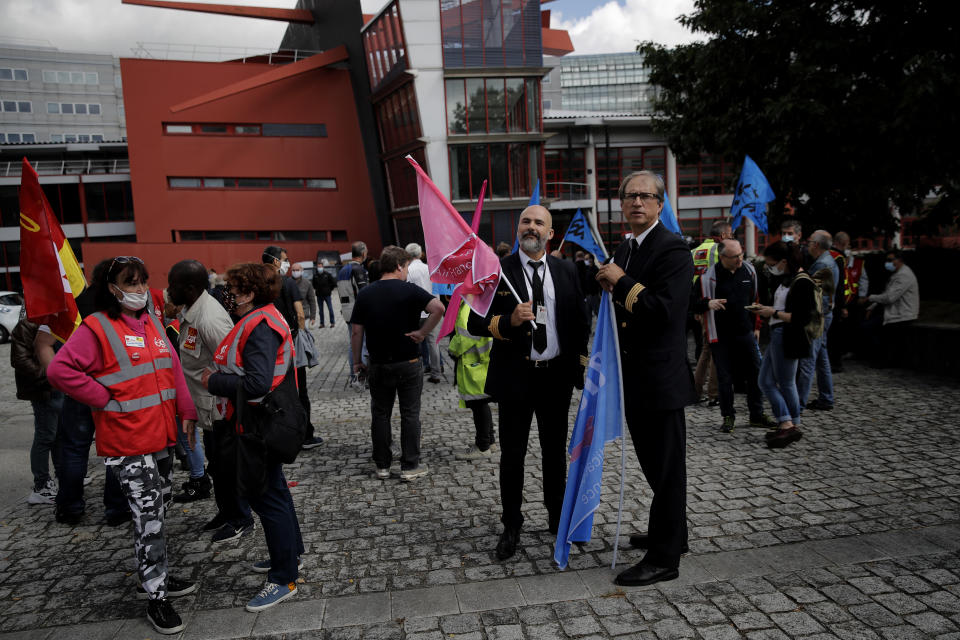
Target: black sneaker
column 164, row 619
column 175, row 588
column 820, row 405
column 195, row 489
column 218, row 521
column 117, row 518
column 229, row 533
column 728, row 422
column 312, row 443
column 71, row 519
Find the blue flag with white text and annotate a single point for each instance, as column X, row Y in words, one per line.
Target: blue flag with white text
column 599, row 420
column 534, row 199
column 580, row 233
column 751, row 196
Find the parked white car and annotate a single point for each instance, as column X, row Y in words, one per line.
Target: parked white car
column 10, row 305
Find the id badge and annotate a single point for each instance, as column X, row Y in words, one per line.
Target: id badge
column 541, row 314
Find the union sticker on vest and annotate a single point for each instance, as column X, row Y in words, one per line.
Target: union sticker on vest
column 134, row 341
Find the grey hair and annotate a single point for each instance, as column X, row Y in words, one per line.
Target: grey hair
column 414, row 250
column 719, row 226
column 823, row 239
column 358, row 249
column 658, row 181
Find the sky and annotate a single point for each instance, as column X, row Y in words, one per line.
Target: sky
column 106, row 26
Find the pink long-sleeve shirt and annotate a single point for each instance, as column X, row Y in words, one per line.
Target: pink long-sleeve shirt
column 69, row 371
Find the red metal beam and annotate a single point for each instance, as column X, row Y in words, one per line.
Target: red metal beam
column 556, row 42
column 317, row 61
column 300, row 16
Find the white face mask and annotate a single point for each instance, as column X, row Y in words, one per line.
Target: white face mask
column 297, row 273
column 284, row 267
column 775, row 270
column 787, row 237
column 134, row 301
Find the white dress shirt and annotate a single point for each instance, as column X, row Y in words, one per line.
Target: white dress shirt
column 549, row 301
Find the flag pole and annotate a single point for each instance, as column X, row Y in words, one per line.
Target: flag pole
column 503, row 276
column 623, row 436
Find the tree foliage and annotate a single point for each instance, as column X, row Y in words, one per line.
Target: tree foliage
column 845, row 105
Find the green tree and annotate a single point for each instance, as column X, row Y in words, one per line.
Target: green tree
column 845, row 105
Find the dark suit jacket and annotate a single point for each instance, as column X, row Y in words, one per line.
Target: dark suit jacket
column 509, row 359
column 651, row 304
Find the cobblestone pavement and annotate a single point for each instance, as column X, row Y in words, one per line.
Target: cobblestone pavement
column 852, row 532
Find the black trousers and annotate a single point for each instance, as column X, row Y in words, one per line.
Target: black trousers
column 548, row 398
column 660, row 438
column 232, row 507
column 482, row 422
column 738, row 356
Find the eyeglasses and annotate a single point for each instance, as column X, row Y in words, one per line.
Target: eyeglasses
column 736, row 257
column 646, row 198
column 123, row 260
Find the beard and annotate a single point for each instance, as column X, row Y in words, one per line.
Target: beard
column 533, row 243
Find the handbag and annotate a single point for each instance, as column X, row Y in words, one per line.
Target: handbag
column 278, row 419
column 241, row 456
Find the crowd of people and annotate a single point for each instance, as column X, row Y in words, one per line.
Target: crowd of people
column 155, row 372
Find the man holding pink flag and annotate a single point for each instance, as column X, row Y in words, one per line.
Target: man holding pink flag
column 539, row 354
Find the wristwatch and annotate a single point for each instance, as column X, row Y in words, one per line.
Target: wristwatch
column 776, row 314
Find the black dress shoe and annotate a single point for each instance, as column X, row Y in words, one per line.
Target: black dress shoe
column 642, row 541
column 507, row 545
column 641, row 574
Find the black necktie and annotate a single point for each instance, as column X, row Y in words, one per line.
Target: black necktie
column 540, row 333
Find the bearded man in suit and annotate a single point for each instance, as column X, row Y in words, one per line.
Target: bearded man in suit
column 538, row 356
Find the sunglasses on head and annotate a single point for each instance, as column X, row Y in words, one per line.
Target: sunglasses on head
column 123, row 261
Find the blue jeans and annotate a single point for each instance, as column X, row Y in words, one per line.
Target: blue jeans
column 76, row 436
column 46, row 415
column 401, row 381
column 280, row 526
column 194, row 454
column 778, row 380
column 325, row 300
column 819, row 360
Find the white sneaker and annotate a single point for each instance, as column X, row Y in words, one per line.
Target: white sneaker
column 412, row 474
column 45, row 495
column 87, row 480
column 473, row 453
column 383, row 474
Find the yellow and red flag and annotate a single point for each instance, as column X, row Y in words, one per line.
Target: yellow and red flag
column 51, row 275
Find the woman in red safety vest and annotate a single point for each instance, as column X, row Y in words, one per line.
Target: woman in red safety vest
column 121, row 364
column 258, row 353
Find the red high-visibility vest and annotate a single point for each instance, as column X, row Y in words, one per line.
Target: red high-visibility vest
column 141, row 415
column 229, row 355
column 854, row 271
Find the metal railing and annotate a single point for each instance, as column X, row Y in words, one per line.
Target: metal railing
column 213, row 53
column 567, row 190
column 12, row 169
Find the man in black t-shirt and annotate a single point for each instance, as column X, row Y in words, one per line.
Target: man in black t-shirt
column 388, row 312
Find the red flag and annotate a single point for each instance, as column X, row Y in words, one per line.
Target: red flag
column 50, row 273
column 455, row 255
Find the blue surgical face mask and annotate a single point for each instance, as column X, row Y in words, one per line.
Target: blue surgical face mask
column 786, row 237
column 889, row 266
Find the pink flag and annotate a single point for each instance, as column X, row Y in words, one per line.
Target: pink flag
column 455, row 255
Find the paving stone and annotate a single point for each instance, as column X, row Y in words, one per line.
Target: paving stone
column 580, row 626
column 356, row 610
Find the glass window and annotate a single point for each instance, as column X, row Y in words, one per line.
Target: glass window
column 253, row 183
column 94, row 78
column 3, row 137
column 499, row 181
column 25, row 107
column 13, row 137
column 56, row 137
column 496, row 114
column 214, row 183
column 338, row 235
column 66, row 107
column 49, row 76
column 287, row 183
column 247, row 130
column 76, row 77
column 459, row 172
column 533, row 104
column 184, row 183
column 179, row 128
column 20, row 74
column 9, row 106
column 83, row 137
column 456, row 110
column 321, row 183
column 295, row 130
column 69, row 137
column 29, row 137
column 6, row 74
column 94, row 109
column 97, row 137
column 516, row 112
column 479, row 167
column 476, row 111
column 80, row 108
column 213, row 128
column 63, row 77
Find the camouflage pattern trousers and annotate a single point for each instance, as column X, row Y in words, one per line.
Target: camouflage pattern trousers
column 143, row 479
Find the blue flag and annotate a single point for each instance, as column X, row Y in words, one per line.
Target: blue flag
column 581, row 233
column 534, row 199
column 667, row 216
column 751, row 196
column 599, row 420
